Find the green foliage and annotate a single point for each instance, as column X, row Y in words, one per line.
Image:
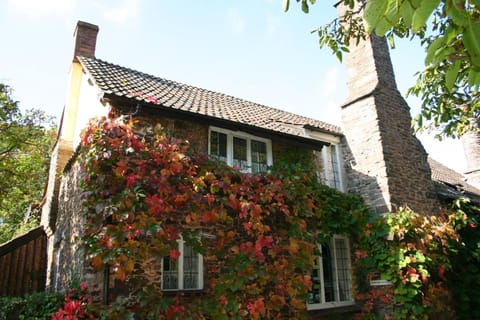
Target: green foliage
column 464, row 277
column 448, row 30
column 261, row 230
column 428, row 261
column 35, row 306
column 27, row 139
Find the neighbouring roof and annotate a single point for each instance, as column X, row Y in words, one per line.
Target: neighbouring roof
column 141, row 87
column 450, row 183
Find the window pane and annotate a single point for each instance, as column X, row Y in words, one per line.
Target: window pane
column 331, row 167
column 315, row 296
column 218, row 145
column 328, row 274
column 343, row 270
column 259, row 156
column 336, row 174
column 190, row 268
column 170, row 274
column 240, row 153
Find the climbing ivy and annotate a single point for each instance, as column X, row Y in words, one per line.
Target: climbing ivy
column 258, row 234
column 428, row 261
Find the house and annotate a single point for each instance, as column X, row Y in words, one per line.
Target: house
column 374, row 155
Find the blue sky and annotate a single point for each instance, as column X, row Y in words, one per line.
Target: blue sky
column 250, row 49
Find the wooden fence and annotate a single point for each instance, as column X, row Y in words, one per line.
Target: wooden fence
column 23, row 263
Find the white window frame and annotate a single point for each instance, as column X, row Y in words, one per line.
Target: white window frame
column 242, row 135
column 181, row 246
column 333, row 304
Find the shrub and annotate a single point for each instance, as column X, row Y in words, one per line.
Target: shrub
column 35, row 306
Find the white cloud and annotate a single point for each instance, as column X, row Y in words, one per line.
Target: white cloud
column 236, row 21
column 37, row 8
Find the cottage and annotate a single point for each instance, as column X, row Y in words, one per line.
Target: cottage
column 374, row 155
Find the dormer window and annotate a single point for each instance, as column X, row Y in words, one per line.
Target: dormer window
column 241, row 150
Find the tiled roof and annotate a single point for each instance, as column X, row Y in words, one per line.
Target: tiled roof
column 124, row 82
column 451, row 179
column 141, row 87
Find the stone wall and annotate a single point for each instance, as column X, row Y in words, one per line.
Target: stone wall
column 69, row 257
column 385, row 163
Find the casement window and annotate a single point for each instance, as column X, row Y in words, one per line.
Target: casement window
column 331, row 276
column 331, row 166
column 185, row 272
column 241, row 150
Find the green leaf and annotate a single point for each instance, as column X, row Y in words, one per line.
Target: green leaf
column 422, row 13
column 304, row 6
column 406, row 11
column 451, row 75
column 416, row 3
column 471, row 41
column 474, row 78
column 452, row 33
column 286, row 5
column 456, row 11
column 389, row 18
column 391, row 40
column 374, row 11
column 432, row 49
column 382, row 27
column 338, row 54
column 419, row 120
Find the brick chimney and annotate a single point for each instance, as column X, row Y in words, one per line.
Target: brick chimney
column 85, row 40
column 385, row 163
column 471, row 148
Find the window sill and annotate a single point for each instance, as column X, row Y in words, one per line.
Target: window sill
column 344, row 311
column 330, row 305
column 183, row 292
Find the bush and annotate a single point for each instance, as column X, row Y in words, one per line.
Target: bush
column 35, row 306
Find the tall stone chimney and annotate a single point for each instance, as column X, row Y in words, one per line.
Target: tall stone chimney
column 385, row 163
column 471, row 148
